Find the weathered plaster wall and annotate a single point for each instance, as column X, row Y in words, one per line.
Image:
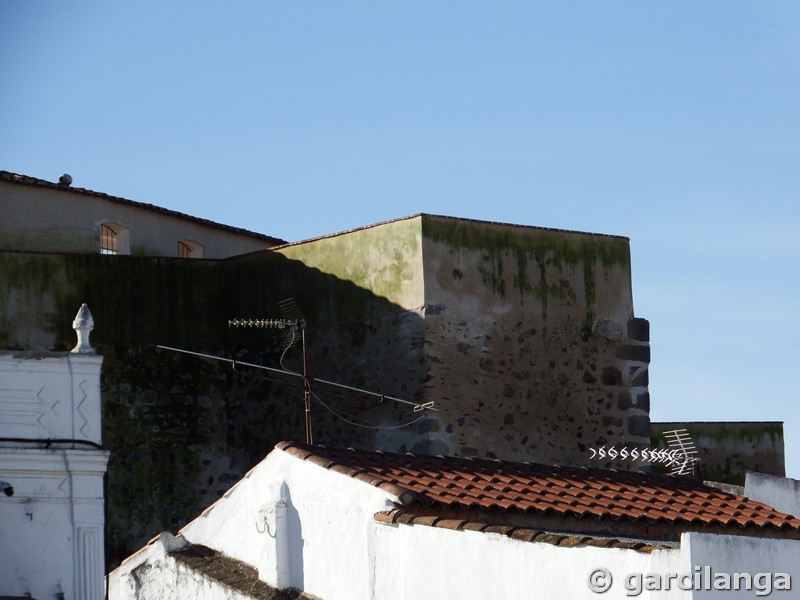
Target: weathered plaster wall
column 67, row 221
column 155, row 574
column 782, row 493
column 728, row 450
column 763, row 559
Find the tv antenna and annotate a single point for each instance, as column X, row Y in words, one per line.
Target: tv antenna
column 295, row 325
column 680, row 440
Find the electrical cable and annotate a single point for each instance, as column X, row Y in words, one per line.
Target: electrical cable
column 285, row 350
column 49, row 441
column 354, row 424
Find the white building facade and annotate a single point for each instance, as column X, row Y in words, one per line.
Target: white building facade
column 51, row 468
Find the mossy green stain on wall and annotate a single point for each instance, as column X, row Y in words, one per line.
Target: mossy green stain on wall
column 727, row 450
column 326, row 300
column 724, row 432
column 34, row 242
column 562, row 247
column 520, row 280
column 549, row 250
column 590, row 290
column 492, row 277
column 384, row 259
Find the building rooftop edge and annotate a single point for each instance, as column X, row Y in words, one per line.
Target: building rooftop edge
column 462, row 219
column 19, row 179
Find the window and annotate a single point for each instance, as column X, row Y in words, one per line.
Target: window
column 108, row 240
column 113, row 238
column 190, row 249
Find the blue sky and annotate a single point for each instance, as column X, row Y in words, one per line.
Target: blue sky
column 673, row 123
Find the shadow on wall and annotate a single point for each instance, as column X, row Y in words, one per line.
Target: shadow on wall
column 296, row 543
column 182, row 429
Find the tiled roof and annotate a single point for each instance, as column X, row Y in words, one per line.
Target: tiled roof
column 490, row 486
column 34, row 182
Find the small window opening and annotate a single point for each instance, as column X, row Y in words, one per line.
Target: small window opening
column 108, row 240
column 114, row 239
column 190, row 249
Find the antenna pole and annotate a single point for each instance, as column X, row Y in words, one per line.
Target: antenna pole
column 306, row 385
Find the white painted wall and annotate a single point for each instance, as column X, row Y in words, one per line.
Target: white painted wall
column 739, row 554
column 782, row 493
column 152, row 574
column 337, row 551
column 328, row 518
column 50, row 395
column 51, row 529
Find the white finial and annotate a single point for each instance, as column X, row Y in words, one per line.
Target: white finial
column 83, row 325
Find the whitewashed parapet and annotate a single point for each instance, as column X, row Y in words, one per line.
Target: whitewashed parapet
column 53, row 395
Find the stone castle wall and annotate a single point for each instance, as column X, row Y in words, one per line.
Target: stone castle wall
column 531, row 341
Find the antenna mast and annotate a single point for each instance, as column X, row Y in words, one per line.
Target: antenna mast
column 292, row 318
column 306, row 386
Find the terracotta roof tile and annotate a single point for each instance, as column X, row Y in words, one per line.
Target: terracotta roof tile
column 398, row 515
column 473, row 484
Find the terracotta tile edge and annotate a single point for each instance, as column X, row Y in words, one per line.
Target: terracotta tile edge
column 399, row 516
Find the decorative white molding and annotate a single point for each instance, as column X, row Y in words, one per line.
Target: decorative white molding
column 89, row 563
column 50, row 396
column 45, row 474
column 83, row 325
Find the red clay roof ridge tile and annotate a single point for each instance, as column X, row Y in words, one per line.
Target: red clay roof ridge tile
column 550, row 491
